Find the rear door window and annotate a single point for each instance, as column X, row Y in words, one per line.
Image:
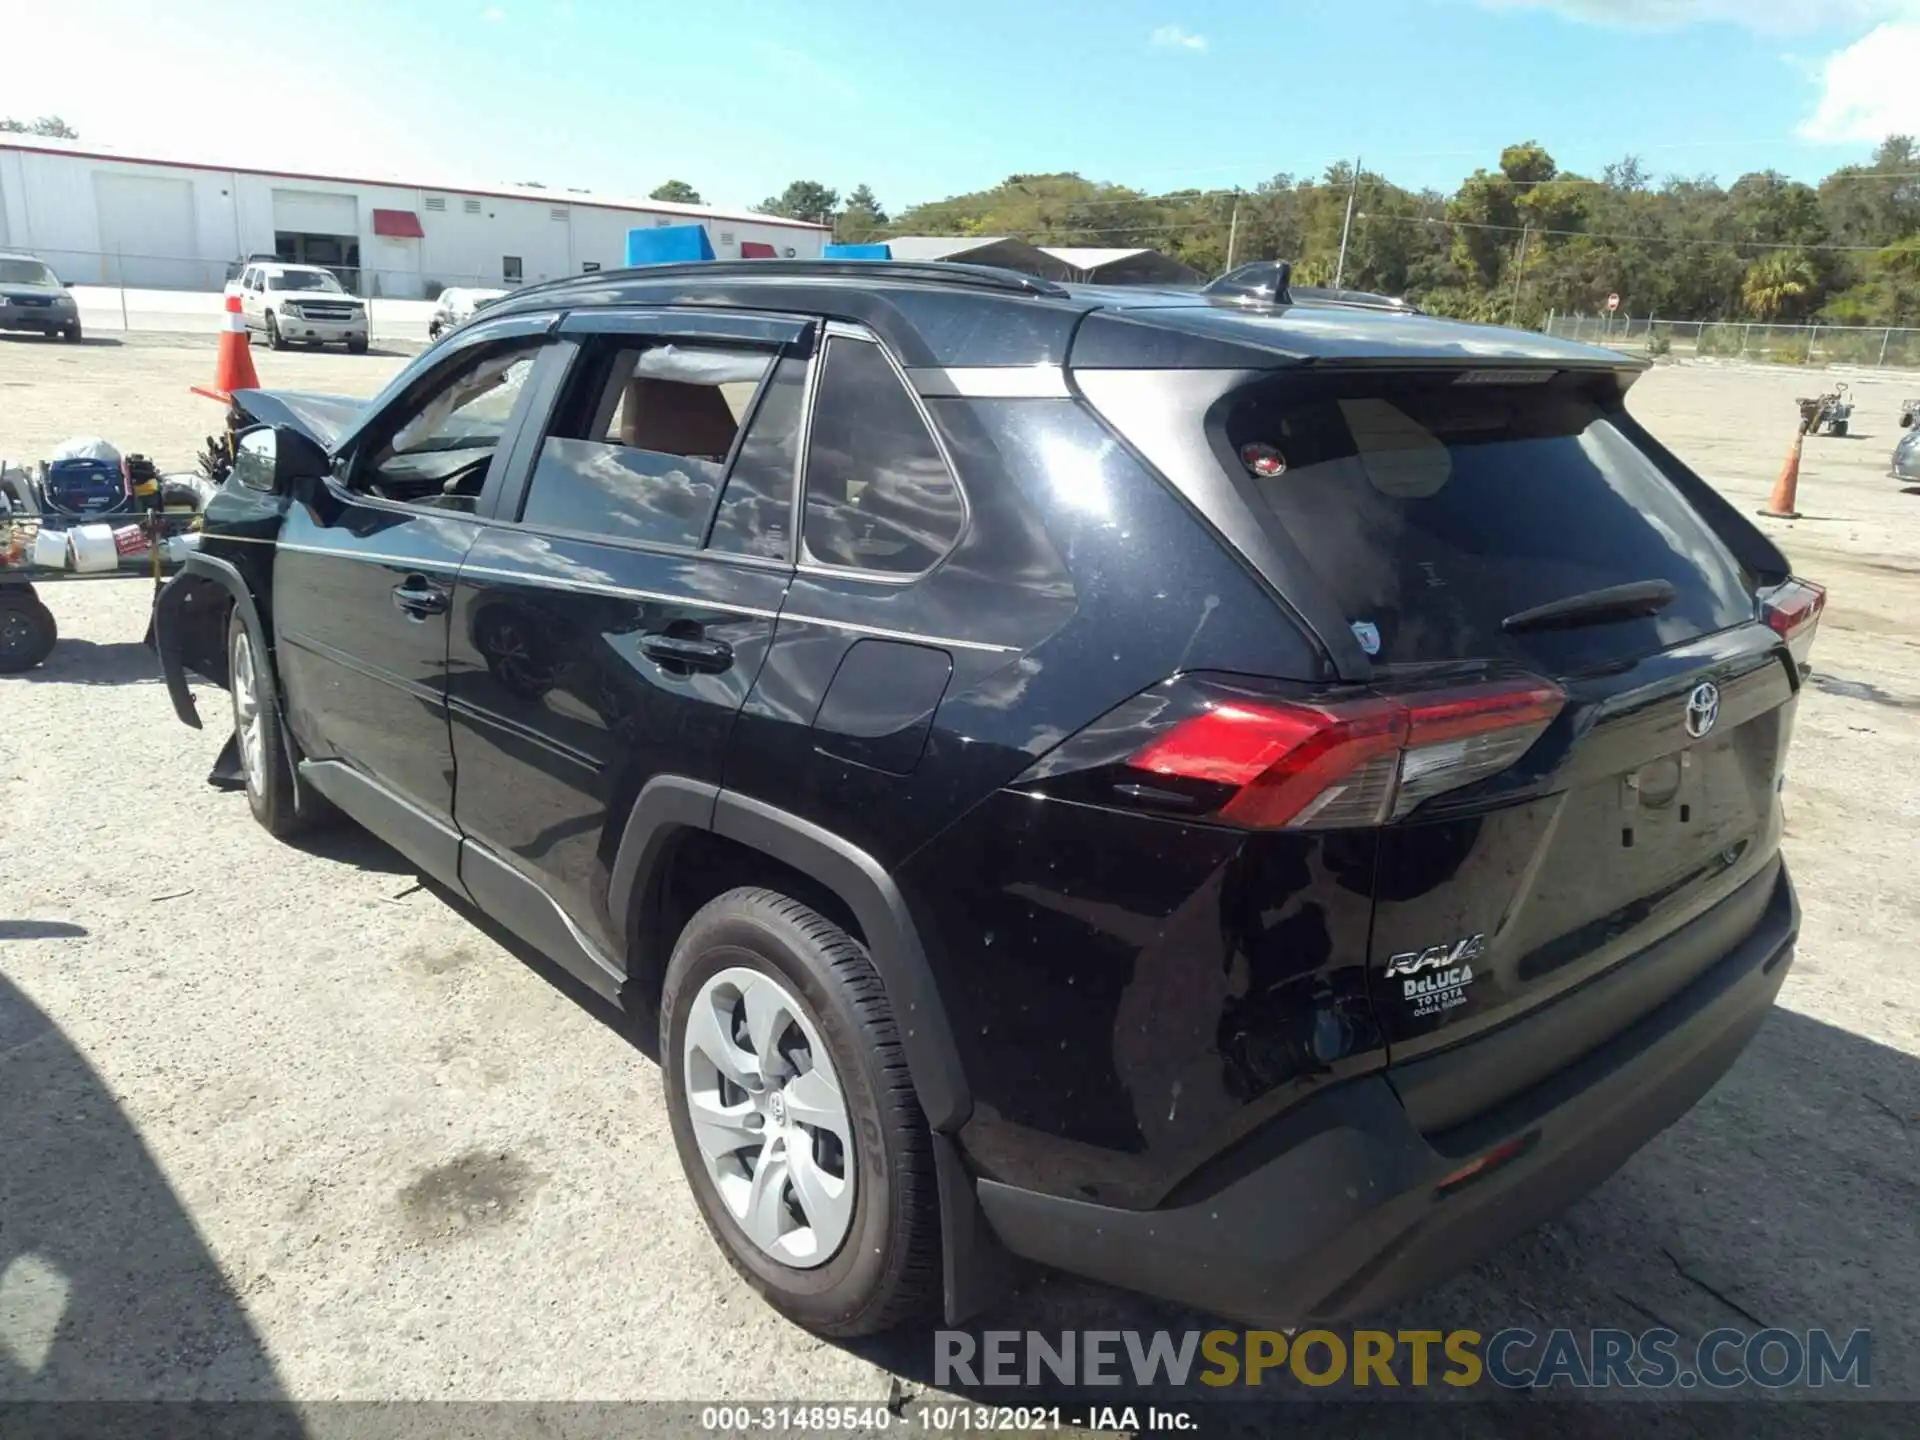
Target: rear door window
column 1433, row 510
column 642, row 439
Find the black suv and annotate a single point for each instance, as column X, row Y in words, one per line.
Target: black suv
column 1251, row 801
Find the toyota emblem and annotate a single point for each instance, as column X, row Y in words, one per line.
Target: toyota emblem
column 1703, row 708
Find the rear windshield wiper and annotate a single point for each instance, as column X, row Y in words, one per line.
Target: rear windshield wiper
column 1595, row 607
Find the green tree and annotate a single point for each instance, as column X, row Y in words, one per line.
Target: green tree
column 862, row 218
column 1628, row 173
column 1682, row 246
column 51, row 126
column 803, row 200
column 1777, row 285
column 676, row 192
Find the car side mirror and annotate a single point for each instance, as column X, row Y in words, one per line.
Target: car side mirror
column 273, row 459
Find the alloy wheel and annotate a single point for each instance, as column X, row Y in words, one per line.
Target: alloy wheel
column 247, row 724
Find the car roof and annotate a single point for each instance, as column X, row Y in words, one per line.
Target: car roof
column 956, row 315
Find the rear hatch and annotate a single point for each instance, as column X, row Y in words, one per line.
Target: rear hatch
column 1480, row 532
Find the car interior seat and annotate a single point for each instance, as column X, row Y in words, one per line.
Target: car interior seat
column 675, row 417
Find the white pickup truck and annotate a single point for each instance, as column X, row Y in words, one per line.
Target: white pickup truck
column 289, row 303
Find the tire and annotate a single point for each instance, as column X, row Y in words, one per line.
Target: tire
column 1839, row 428
column 27, row 630
column 356, row 347
column 275, row 341
column 874, row 1263
column 20, row 494
column 72, row 333
column 271, row 793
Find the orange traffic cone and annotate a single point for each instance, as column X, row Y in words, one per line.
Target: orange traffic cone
column 1787, row 488
column 233, row 369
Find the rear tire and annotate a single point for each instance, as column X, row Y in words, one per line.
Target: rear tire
column 873, row 1261
column 271, row 792
column 27, row 630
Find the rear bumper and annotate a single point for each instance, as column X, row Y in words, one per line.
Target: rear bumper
column 1339, row 1211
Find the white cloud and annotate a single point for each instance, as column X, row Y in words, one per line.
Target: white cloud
column 493, row 14
column 1871, row 89
column 1772, row 16
column 1172, row 37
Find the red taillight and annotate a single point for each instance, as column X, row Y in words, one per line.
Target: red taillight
column 1352, row 762
column 1794, row 609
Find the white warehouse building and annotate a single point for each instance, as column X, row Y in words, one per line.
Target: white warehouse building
column 107, row 219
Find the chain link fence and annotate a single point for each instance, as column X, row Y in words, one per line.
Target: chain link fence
column 127, row 269
column 1877, row 346
column 123, row 292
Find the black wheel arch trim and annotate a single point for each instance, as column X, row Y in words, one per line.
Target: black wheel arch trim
column 892, row 942
column 165, row 610
column 166, row 607
column 666, row 805
column 669, row 803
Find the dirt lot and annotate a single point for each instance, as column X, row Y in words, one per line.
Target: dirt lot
column 277, row 1122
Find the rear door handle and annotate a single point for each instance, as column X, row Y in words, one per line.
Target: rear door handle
column 417, row 598
column 688, row 651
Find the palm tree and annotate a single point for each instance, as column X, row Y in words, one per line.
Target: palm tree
column 1778, row 283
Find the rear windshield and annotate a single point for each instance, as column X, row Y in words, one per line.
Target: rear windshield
column 1433, row 510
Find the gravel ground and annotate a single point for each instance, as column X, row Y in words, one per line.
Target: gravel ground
column 277, row 1122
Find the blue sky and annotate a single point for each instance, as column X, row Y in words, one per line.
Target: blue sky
column 923, row 101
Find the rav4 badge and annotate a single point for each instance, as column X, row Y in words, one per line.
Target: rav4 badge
column 1436, row 979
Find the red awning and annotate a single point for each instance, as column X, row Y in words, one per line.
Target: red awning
column 399, row 224
column 755, row 250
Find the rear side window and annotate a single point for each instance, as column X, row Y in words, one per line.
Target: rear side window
column 1433, row 510
column 879, row 495
column 641, row 441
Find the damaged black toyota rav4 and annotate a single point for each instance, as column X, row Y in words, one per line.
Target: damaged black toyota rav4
column 1255, row 802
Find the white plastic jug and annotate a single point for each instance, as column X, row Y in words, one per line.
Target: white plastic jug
column 50, row 549
column 93, row 549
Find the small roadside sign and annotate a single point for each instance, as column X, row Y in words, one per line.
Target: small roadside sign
column 1613, row 302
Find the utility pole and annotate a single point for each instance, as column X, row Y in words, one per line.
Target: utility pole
column 1233, row 229
column 1519, row 274
column 1353, row 193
